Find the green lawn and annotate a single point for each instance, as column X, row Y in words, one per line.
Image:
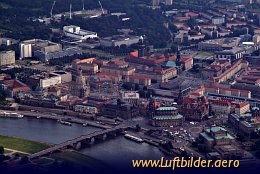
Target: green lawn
column 23, row 145
column 77, row 159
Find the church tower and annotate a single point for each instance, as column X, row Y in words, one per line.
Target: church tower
column 80, row 86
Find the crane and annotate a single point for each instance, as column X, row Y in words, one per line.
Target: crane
column 52, row 7
column 101, row 7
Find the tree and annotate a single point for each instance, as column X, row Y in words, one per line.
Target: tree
column 137, row 128
column 2, row 150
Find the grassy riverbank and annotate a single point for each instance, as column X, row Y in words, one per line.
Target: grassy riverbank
column 78, row 160
column 22, row 145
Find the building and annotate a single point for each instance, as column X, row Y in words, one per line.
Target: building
column 195, row 108
column 117, row 69
column 130, row 96
column 85, row 109
column 7, row 58
column 230, row 71
column 80, row 86
column 38, row 48
column 166, row 117
column 119, row 40
column 157, row 74
column 118, row 108
column 219, row 44
column 140, row 80
column 230, row 152
column 7, row 41
column 89, row 65
column 241, row 123
column 224, row 106
column 218, row 20
column 77, row 33
column 168, row 2
column 216, row 136
column 215, row 69
column 156, row 2
column 14, row 87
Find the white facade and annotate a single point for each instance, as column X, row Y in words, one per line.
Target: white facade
column 25, row 50
column 77, row 33
column 51, row 81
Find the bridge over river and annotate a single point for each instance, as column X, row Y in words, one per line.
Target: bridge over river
column 88, row 139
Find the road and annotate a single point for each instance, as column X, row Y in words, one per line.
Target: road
column 60, row 117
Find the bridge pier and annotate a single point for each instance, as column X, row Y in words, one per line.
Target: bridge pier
column 77, row 146
column 101, row 137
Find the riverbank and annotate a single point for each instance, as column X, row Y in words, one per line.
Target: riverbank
column 23, row 145
column 78, row 160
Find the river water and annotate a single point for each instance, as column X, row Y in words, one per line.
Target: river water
column 114, row 151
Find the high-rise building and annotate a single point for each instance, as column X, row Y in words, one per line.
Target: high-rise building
column 80, row 86
column 7, row 58
column 25, row 50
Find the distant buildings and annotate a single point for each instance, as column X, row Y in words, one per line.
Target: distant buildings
column 8, row 41
column 45, row 50
column 7, row 58
column 37, row 47
column 119, row 40
column 219, row 44
column 77, row 33
column 166, row 117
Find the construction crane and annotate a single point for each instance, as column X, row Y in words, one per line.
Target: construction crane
column 101, row 7
column 52, row 7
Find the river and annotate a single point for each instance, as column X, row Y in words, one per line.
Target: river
column 113, row 151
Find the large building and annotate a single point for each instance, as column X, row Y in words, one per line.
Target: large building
column 216, row 136
column 166, row 117
column 219, row 44
column 118, row 108
column 77, row 33
column 119, row 40
column 242, row 123
column 14, row 87
column 130, row 96
column 7, row 58
column 140, row 80
column 38, row 48
column 222, row 106
column 195, row 108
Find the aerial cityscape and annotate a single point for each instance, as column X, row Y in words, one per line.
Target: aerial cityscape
column 103, row 85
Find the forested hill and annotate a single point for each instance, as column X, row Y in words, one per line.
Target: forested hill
column 16, row 19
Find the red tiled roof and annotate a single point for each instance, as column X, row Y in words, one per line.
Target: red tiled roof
column 138, row 77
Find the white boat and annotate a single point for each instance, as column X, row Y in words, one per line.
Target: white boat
column 64, row 123
column 11, row 115
column 85, row 124
column 131, row 137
